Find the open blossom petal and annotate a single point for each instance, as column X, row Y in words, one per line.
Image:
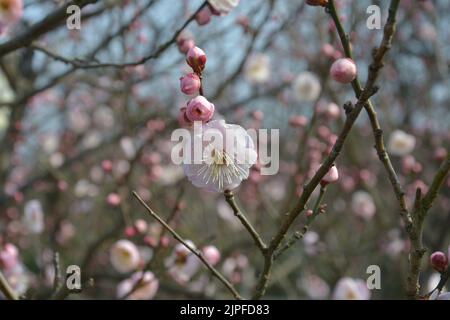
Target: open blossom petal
column 124, row 256
column 34, row 217
column 400, row 143
column 351, row 289
column 148, row 286
column 223, row 6
column 363, row 205
column 221, row 166
column 257, row 69
column 306, row 87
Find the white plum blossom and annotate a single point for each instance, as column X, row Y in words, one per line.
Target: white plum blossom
column 351, row 289
column 128, row 147
column 224, row 6
column 4, row 117
column 222, row 167
column 257, row 68
column 306, row 87
column 124, row 256
column 33, row 218
column 363, row 205
column 182, row 263
column 400, row 143
column 314, row 286
column 147, row 286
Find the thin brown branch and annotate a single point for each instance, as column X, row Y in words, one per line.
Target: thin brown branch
column 196, row 252
column 229, row 197
column 6, row 289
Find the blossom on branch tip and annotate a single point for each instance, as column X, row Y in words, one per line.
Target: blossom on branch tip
column 196, row 59
column 439, row 261
column 331, row 176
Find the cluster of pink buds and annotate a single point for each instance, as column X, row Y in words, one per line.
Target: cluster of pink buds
column 198, row 108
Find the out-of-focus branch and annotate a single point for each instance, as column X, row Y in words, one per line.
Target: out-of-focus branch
column 197, row 253
column 47, row 24
column 229, row 197
column 6, row 289
column 81, row 64
column 237, row 71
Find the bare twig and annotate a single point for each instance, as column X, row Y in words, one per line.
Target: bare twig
column 6, row 289
column 301, row 233
column 196, row 252
column 421, row 208
column 229, row 197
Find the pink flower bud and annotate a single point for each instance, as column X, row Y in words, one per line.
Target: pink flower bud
column 204, row 16
column 141, row 225
column 331, row 176
column 298, row 121
column 8, row 256
column 165, row 241
column 113, row 199
column 343, row 70
column 183, row 120
column 196, row 58
column 185, row 45
column 199, row 109
column 130, row 232
column 258, row 115
column 185, row 41
column 439, row 261
column 107, row 165
column 190, row 83
column 212, row 254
